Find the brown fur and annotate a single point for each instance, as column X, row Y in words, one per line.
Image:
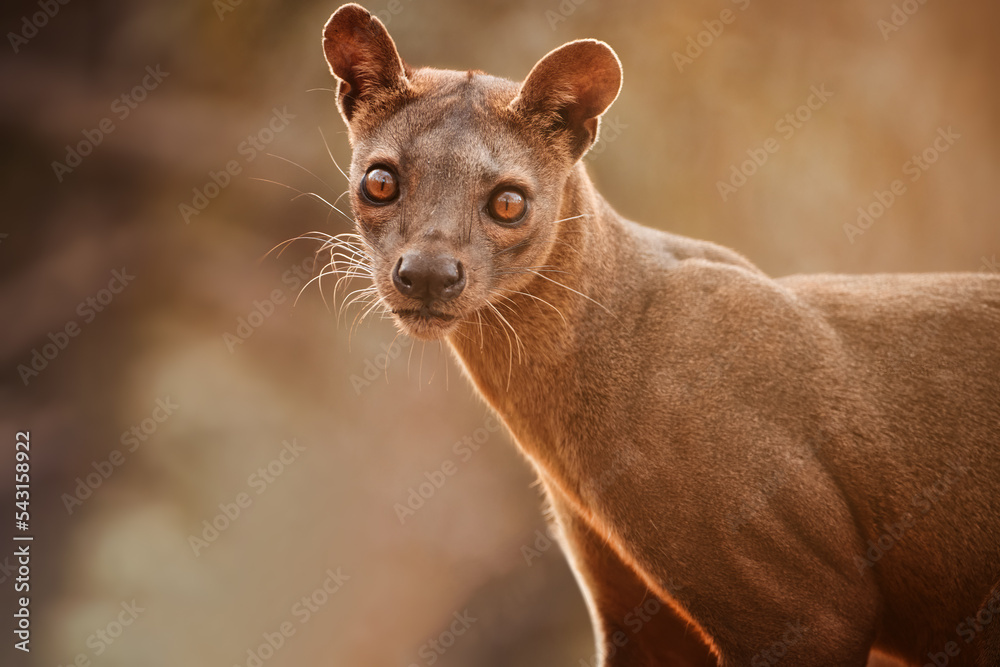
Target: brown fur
column 730, row 444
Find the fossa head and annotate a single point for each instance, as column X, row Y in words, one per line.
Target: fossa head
column 457, row 178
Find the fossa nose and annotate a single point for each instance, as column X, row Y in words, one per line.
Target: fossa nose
column 428, row 277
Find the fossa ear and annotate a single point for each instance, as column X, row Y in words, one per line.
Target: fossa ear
column 570, row 88
column 363, row 56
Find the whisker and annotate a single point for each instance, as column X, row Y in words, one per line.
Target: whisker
column 520, row 244
column 538, row 298
column 556, row 282
column 517, row 339
column 420, row 372
column 398, row 334
column 524, row 269
column 358, row 319
column 333, row 159
column 337, row 200
column 447, row 366
column 305, row 194
column 510, row 349
column 296, row 164
column 409, row 359
column 572, row 217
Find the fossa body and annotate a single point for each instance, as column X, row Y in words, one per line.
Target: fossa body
column 802, row 468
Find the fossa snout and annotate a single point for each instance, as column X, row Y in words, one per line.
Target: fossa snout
column 428, row 277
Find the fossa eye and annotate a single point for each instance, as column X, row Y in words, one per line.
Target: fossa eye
column 507, row 205
column 380, row 185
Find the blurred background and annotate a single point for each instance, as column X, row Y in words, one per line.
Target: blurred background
column 220, row 477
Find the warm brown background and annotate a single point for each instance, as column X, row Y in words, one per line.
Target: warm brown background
column 163, row 336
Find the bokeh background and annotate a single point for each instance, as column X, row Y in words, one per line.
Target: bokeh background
column 371, row 426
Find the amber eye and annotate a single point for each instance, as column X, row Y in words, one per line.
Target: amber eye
column 507, row 206
column 379, row 185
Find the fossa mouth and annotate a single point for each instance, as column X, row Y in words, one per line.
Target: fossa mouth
column 425, row 323
column 424, row 314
